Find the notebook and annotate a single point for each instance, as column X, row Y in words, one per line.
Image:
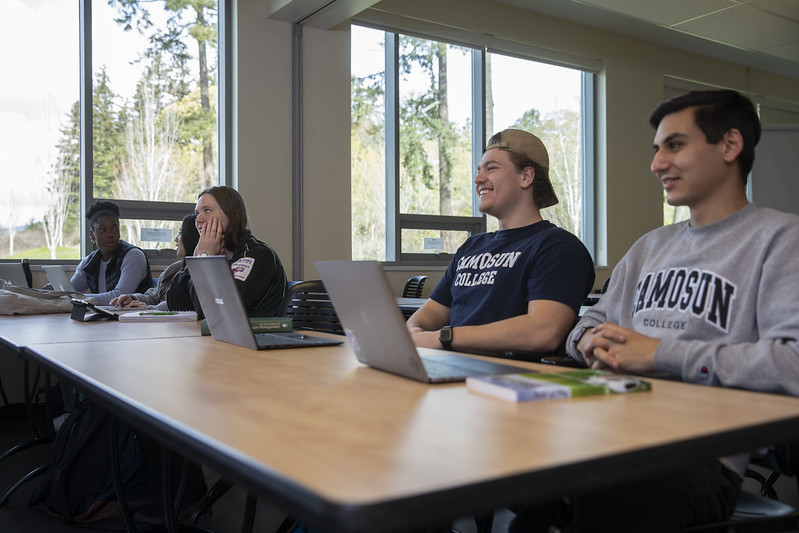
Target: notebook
column 375, row 327
column 58, row 278
column 153, row 315
column 225, row 312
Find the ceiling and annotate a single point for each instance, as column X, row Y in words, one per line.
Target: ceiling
column 762, row 34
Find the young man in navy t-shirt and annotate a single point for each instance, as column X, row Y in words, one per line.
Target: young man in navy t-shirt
column 518, row 289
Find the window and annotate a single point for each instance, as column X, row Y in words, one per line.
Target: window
column 421, row 112
column 149, row 137
column 39, row 152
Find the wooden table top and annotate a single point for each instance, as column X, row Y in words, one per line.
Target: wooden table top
column 344, row 446
column 19, row 331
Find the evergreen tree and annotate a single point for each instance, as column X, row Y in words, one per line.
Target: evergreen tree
column 189, row 19
column 367, row 141
column 69, row 147
column 109, row 121
column 430, row 143
column 560, row 133
column 62, row 184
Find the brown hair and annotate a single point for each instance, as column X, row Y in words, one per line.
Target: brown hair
column 542, row 188
column 231, row 202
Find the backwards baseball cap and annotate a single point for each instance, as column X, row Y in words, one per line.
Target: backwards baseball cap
column 530, row 146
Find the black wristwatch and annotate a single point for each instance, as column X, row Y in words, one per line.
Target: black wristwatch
column 445, row 337
column 579, row 335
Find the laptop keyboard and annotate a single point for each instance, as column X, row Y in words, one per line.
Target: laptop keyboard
column 438, row 369
column 454, row 365
column 270, row 339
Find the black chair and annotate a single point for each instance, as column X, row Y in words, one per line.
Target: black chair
column 593, row 298
column 761, row 510
column 309, row 307
column 38, row 437
column 755, row 512
column 413, row 287
column 604, row 287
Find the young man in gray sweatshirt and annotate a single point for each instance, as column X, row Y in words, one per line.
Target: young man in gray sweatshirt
column 713, row 300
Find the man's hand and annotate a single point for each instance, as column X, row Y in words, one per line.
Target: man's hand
column 610, row 346
column 425, row 339
column 424, row 324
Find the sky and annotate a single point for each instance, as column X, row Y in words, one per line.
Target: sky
column 45, row 85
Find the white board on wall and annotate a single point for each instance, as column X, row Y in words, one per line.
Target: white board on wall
column 775, row 175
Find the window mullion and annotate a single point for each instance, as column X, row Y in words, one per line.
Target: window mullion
column 86, row 187
column 478, row 117
column 588, row 164
column 393, row 238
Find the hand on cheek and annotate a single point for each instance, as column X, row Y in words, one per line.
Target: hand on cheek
column 212, row 238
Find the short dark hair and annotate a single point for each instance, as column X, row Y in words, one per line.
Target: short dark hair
column 101, row 208
column 233, row 206
column 715, row 113
column 189, row 235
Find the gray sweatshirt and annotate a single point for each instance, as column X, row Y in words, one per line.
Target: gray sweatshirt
column 723, row 299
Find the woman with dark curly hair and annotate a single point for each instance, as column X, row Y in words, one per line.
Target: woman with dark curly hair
column 115, row 267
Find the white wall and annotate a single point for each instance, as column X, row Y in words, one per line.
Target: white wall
column 774, row 182
column 262, row 124
column 263, row 93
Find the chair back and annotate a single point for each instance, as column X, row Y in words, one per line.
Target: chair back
column 309, row 307
column 758, row 508
column 413, row 287
column 604, row 287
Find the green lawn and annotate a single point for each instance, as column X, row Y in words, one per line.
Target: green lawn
column 63, row 252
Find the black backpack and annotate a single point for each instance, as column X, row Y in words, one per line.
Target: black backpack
column 79, row 483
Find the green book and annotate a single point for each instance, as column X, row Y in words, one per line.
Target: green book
column 529, row 386
column 260, row 324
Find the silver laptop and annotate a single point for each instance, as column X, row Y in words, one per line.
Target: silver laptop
column 58, row 278
column 225, row 312
column 13, row 273
column 375, row 327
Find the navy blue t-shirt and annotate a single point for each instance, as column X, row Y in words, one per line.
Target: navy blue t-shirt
column 494, row 275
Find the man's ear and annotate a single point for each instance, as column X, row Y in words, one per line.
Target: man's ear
column 528, row 175
column 733, row 144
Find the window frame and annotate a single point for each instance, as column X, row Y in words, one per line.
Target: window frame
column 396, row 221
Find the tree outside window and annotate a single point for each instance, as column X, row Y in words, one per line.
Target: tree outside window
column 154, row 118
column 436, row 135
